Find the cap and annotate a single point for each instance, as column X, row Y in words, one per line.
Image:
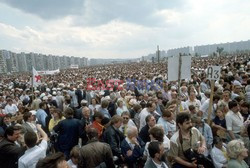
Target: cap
column 237, row 83
column 33, row 112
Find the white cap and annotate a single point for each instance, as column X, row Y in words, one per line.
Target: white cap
column 33, row 112
column 237, row 83
column 173, row 87
column 45, row 98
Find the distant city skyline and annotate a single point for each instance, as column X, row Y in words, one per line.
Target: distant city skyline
column 119, row 29
column 22, row 62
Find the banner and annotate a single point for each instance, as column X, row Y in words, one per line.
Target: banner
column 173, row 68
column 48, row 72
column 36, row 78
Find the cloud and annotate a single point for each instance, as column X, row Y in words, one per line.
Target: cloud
column 121, row 29
column 48, row 9
column 98, row 12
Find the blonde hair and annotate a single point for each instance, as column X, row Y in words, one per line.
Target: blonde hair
column 234, row 148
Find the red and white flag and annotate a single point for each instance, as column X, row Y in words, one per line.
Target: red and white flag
column 36, row 78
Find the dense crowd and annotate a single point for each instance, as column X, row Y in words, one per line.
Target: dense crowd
column 127, row 115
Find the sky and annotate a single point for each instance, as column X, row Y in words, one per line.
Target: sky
column 119, row 28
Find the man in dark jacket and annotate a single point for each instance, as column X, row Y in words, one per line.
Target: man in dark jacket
column 114, row 137
column 132, row 147
column 69, row 131
column 95, row 153
column 144, row 134
column 9, row 151
column 80, row 94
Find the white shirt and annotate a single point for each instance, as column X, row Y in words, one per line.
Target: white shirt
column 11, row 109
column 71, row 164
column 33, row 155
column 142, row 116
column 234, row 121
column 196, row 103
column 218, row 157
column 160, row 165
column 204, row 109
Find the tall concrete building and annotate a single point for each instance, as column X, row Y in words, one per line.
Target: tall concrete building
column 227, row 47
column 21, row 59
column 50, row 62
column 3, row 65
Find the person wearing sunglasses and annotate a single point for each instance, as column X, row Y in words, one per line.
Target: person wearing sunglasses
column 126, row 122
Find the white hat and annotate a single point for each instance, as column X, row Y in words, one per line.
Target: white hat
column 173, row 87
column 33, row 112
column 132, row 102
column 45, row 98
column 237, row 83
column 42, row 95
column 47, row 89
column 230, row 73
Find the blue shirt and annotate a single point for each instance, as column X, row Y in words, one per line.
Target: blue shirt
column 41, row 117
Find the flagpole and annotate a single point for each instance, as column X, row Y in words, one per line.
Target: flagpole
column 32, row 83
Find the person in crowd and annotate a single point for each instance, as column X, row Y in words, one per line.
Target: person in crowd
column 97, row 123
column 95, row 153
column 150, row 109
column 219, row 153
column 193, row 101
column 80, row 94
column 41, row 115
column 237, row 153
column 132, row 147
column 69, row 131
column 150, row 122
column 234, row 120
column 113, row 136
column 167, row 122
column 104, row 108
column 206, row 131
column 237, row 91
column 205, row 106
column 157, row 134
column 57, row 116
column 127, row 122
column 121, row 108
column 10, row 108
column 184, row 139
column 244, row 110
column 74, row 157
column 78, row 111
column 10, row 152
column 86, row 122
column 94, row 106
column 6, row 121
column 226, row 97
column 156, row 151
column 56, row 160
column 135, row 112
column 29, row 125
column 34, row 152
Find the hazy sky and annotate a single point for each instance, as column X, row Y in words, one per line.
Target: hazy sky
column 119, row 28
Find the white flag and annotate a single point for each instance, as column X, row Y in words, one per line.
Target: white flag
column 36, row 78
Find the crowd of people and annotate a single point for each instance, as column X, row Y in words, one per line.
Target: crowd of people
column 127, row 115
